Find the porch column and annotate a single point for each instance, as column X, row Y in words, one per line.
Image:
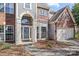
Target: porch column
column 34, row 31
column 18, row 32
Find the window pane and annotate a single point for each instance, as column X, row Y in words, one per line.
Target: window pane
column 1, row 32
column 9, row 33
column 1, row 28
column 26, row 20
column 1, row 36
column 27, row 5
column 43, row 12
column 43, row 32
column 1, row 7
column 22, row 32
column 37, row 32
column 9, row 8
column 26, row 32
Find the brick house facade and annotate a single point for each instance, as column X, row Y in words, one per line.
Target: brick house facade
column 23, row 23
column 7, row 22
column 63, row 25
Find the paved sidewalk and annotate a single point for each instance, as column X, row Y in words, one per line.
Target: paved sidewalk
column 54, row 51
column 76, row 43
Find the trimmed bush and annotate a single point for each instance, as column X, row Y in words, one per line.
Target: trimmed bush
column 77, row 35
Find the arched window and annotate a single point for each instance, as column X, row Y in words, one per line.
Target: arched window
column 26, row 20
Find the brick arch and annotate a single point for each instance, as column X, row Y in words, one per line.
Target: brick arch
column 26, row 13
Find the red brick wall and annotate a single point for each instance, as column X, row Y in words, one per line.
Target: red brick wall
column 43, row 17
column 65, row 22
column 10, row 19
column 2, row 18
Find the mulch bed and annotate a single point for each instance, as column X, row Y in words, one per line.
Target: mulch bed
column 15, row 51
column 45, row 44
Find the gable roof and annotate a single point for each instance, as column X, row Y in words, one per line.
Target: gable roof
column 57, row 14
column 53, row 18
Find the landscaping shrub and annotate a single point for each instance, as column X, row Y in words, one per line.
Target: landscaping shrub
column 6, row 46
column 77, row 35
column 49, row 45
column 1, row 43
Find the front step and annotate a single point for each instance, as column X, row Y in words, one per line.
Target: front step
column 27, row 43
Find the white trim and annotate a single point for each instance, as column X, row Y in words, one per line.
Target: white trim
column 71, row 15
column 22, row 33
column 59, row 15
column 4, row 8
column 27, row 12
column 16, row 17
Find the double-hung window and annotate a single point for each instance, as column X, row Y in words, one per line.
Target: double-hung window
column 43, row 12
column 1, row 28
column 27, row 5
column 9, row 8
column 43, row 32
column 1, row 32
column 9, row 32
column 37, row 32
column 1, row 7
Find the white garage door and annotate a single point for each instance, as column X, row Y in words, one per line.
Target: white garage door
column 64, row 34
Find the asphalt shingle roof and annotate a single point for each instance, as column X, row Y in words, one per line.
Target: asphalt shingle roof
column 56, row 15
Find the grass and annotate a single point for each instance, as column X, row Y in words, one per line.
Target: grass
column 4, row 46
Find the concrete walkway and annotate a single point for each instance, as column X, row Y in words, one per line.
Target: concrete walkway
column 76, row 43
column 54, row 51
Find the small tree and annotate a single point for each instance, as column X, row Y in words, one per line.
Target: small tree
column 75, row 12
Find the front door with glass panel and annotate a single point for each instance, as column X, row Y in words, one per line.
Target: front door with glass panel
column 26, row 24
column 26, row 33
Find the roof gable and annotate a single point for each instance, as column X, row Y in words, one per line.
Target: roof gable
column 59, row 13
column 56, row 15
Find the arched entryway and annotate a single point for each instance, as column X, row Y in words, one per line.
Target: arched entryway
column 26, row 27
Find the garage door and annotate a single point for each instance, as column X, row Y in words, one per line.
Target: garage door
column 64, row 34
